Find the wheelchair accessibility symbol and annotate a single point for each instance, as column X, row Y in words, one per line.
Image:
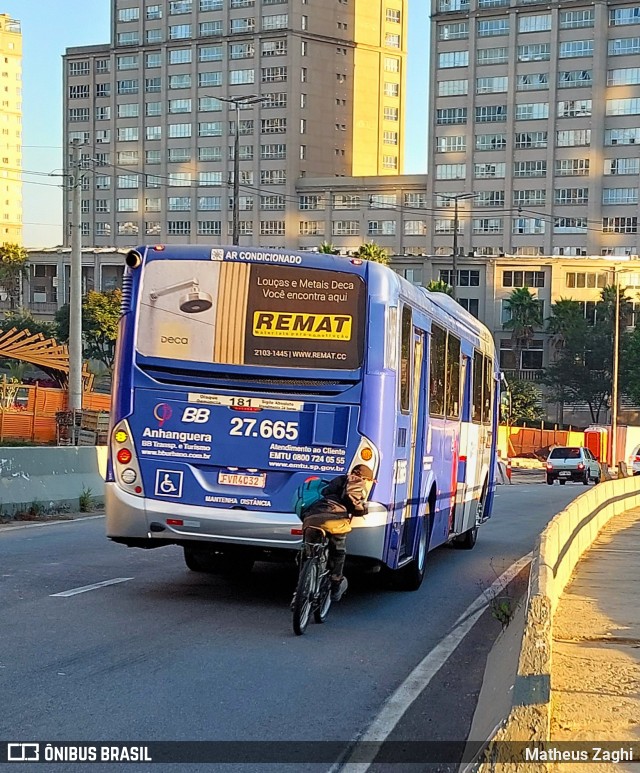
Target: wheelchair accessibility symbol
column 169, row 483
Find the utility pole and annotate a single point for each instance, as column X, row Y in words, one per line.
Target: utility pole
column 454, row 257
column 75, row 287
column 616, row 367
column 236, row 179
column 250, row 99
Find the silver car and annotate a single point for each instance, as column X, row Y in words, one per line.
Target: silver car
column 572, row 463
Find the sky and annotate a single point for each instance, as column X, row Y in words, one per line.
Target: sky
column 51, row 26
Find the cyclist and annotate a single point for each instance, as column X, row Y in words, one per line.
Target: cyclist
column 342, row 498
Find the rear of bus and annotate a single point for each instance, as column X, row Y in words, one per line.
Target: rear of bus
column 239, row 374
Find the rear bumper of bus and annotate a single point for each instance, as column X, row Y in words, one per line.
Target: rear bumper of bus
column 141, row 522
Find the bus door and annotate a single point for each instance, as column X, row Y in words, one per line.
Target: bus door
column 467, row 450
column 414, row 507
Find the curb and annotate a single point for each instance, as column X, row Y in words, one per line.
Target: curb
column 4, row 528
column 559, row 548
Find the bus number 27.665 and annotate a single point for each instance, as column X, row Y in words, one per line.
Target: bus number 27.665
column 279, row 430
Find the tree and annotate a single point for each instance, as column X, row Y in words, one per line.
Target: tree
column 583, row 365
column 24, row 320
column 372, row 251
column 526, row 315
column 440, row 286
column 525, row 402
column 328, row 249
column 13, row 268
column 100, row 315
column 567, row 323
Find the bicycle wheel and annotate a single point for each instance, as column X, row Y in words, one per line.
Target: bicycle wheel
column 321, row 609
column 304, row 596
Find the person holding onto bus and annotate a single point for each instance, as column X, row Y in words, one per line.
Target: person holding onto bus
column 343, row 498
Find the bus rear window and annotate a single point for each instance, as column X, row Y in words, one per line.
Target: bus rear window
column 251, row 314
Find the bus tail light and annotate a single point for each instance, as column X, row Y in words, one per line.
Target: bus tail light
column 125, row 462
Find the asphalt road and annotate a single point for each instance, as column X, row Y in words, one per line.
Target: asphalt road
column 173, row 655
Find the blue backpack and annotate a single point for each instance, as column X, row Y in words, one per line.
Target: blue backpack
column 308, row 493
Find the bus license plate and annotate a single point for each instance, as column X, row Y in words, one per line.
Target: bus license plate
column 238, row 479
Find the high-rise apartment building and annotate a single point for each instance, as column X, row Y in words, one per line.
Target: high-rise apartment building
column 153, row 113
column 535, row 109
column 10, row 131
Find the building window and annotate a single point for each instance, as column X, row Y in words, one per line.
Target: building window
column 534, row 23
column 491, row 113
column 533, row 81
column 574, row 108
column 466, row 277
column 493, row 55
column 487, row 225
column 575, row 48
column 620, row 225
column 572, row 167
column 178, row 227
column 209, row 228
column 532, row 111
column 489, row 170
column 620, row 196
column 453, row 59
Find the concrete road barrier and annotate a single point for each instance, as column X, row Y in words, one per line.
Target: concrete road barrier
column 559, row 548
column 51, row 477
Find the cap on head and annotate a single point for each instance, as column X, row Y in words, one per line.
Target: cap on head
column 363, row 471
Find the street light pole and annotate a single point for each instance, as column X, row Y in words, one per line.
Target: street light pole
column 75, row 289
column 454, row 258
column 616, row 367
column 250, row 99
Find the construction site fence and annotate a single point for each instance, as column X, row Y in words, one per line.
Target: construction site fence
column 532, row 441
column 29, row 413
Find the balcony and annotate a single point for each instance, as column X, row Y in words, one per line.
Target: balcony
column 523, row 375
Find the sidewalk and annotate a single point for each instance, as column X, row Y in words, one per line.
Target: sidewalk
column 596, row 645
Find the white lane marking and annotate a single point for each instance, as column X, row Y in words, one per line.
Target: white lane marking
column 398, row 704
column 85, row 588
column 4, row 528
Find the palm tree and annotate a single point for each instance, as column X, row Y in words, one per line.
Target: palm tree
column 526, row 315
column 440, row 286
column 372, row 251
column 327, row 248
column 567, row 322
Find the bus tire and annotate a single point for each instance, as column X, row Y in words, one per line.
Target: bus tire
column 409, row 577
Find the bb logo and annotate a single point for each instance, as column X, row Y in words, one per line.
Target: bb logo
column 193, row 415
column 169, row 483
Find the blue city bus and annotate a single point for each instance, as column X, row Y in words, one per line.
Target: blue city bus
column 242, row 372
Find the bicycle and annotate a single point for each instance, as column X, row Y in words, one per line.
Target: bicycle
column 313, row 591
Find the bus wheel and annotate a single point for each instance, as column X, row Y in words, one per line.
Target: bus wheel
column 410, row 577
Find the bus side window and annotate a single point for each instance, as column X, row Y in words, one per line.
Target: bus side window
column 453, row 376
column 405, row 359
column 488, row 390
column 437, row 364
column 478, row 376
